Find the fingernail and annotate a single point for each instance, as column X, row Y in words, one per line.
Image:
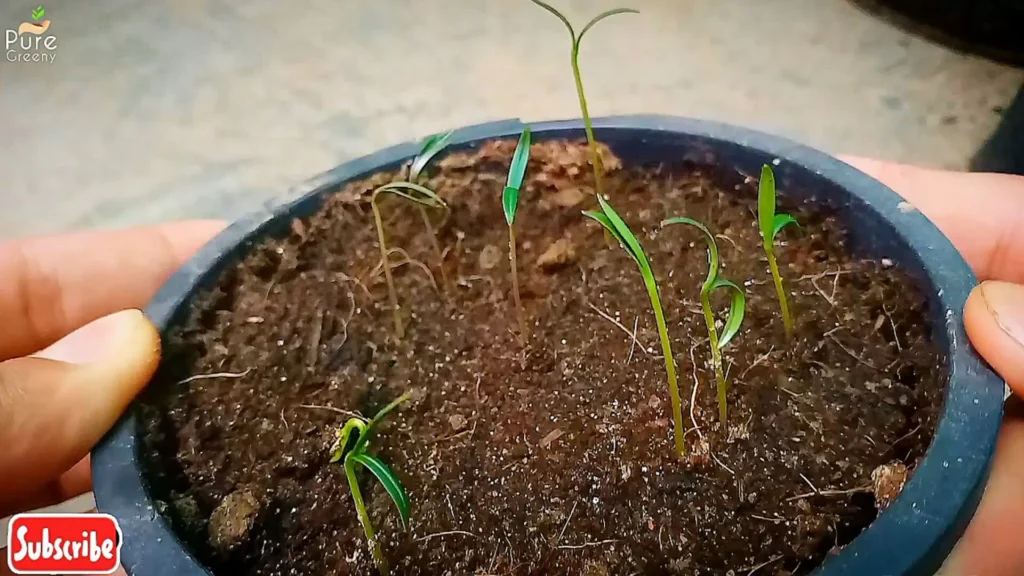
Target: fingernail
column 95, row 341
column 1005, row 301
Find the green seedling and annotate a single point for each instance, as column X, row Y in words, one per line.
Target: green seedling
column 358, row 432
column 595, row 157
column 432, row 145
column 771, row 224
column 614, row 224
column 509, row 202
column 415, row 193
column 736, row 309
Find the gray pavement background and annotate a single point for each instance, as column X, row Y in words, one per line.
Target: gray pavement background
column 163, row 109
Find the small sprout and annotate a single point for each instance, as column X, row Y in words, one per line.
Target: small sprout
column 736, row 309
column 595, row 157
column 509, row 202
column 614, row 224
column 414, row 193
column 357, row 455
column 771, row 224
column 432, row 145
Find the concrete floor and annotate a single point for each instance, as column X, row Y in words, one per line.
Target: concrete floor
column 163, row 109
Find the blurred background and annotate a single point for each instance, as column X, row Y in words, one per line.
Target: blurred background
column 163, row 109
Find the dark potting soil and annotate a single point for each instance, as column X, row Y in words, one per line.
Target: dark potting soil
column 556, row 457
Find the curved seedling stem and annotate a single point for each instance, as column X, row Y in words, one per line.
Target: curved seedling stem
column 733, row 321
column 510, row 204
column 614, row 224
column 414, row 193
column 358, row 456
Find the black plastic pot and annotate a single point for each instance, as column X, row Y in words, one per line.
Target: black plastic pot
column 910, row 538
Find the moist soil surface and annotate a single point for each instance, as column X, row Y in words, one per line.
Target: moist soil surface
column 555, row 457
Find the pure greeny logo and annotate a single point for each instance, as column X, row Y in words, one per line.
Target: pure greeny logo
column 30, row 41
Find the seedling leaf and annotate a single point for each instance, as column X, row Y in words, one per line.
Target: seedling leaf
column 367, row 434
column 608, row 225
column 344, row 435
column 737, row 309
column 781, row 221
column 602, row 16
column 387, row 479
column 766, row 204
column 564, row 20
column 771, row 224
column 516, row 173
column 432, row 145
column 712, row 248
column 625, row 235
column 406, row 189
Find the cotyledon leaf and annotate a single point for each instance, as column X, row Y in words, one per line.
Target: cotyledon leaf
column 388, row 480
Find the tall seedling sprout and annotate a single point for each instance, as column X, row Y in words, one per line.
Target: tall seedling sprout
column 432, row 145
column 595, row 157
column 509, row 202
column 771, row 224
column 620, row 231
column 414, row 193
column 736, row 309
column 358, row 432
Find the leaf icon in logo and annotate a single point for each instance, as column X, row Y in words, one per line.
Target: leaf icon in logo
column 39, row 12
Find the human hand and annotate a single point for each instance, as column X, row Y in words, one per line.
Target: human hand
column 75, row 349
column 983, row 214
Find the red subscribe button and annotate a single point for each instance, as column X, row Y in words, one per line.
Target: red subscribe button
column 63, row 544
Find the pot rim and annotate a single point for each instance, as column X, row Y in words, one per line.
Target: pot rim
column 913, row 536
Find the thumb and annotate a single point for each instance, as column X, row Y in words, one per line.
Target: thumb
column 55, row 406
column 994, row 317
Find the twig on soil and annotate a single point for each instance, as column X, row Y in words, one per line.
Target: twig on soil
column 314, row 350
column 566, row 525
column 632, row 346
column 758, row 361
column 346, row 278
column 761, row 565
column 851, row 353
column 727, row 469
column 831, row 493
column 621, row 327
column 907, row 435
column 448, row 533
column 731, row 241
column 214, row 375
column 895, row 334
column 767, row 519
column 835, row 284
column 813, row 487
column 693, row 394
column 586, row 545
column 283, row 419
column 348, row 413
column 407, row 260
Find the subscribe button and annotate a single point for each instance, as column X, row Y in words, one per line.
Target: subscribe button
column 63, row 544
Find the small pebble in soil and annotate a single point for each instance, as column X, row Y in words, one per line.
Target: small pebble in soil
column 557, row 256
column 490, row 255
column 888, row 480
column 232, row 521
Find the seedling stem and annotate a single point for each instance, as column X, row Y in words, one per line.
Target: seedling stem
column 358, row 455
column 614, row 225
column 412, row 192
column 736, row 311
column 595, row 157
column 771, row 224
